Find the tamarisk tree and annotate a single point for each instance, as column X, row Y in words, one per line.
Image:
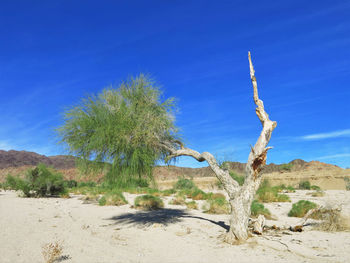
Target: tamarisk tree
column 240, row 197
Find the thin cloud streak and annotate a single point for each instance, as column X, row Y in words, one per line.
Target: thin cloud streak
column 340, row 155
column 327, row 135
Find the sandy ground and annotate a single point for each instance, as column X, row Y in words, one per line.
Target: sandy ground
column 91, row 233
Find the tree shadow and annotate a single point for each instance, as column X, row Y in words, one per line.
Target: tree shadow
column 163, row 216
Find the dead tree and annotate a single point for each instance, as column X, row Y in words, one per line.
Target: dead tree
column 240, row 197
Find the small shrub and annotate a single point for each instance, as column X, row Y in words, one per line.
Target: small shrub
column 179, row 199
column 332, row 220
column 286, row 167
column 194, row 193
column 39, row 182
column 300, row 208
column 284, row 188
column 191, row 205
column 347, row 183
column 305, row 185
column 267, row 193
column 70, row 183
column 183, row 183
column 239, row 178
column 318, row 194
column 87, row 184
column 315, row 187
column 168, row 192
column 218, row 205
column 52, row 252
column 148, row 202
column 259, row 209
column 114, row 197
column 102, row 201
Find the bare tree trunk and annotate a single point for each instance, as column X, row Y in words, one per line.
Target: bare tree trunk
column 242, row 197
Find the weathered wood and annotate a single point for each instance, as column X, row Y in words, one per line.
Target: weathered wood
column 258, row 225
column 240, row 197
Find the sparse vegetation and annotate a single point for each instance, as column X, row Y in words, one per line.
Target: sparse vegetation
column 148, row 202
column 114, row 197
column 332, row 220
column 178, row 199
column 305, row 185
column 318, row 194
column 39, row 182
column 347, row 183
column 315, row 187
column 259, row 209
column 191, row 205
column 217, row 205
column 267, row 193
column 300, row 208
column 52, row 251
column 286, row 167
column 184, row 184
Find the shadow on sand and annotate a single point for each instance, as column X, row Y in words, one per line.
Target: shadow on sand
column 162, row 216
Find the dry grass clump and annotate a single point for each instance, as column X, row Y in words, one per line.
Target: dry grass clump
column 52, row 251
column 259, row 209
column 218, row 206
column 191, row 205
column 267, row 193
column 332, row 220
column 112, row 198
column 179, row 199
column 148, row 202
column 318, row 194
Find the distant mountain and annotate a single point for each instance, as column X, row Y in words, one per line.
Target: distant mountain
column 11, row 159
column 324, row 175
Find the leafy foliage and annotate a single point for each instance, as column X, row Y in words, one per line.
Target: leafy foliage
column 183, row 183
column 300, row 208
column 127, row 127
column 267, row 193
column 259, row 209
column 40, row 181
column 305, row 185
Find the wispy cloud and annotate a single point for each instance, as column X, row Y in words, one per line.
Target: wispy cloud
column 340, row 155
column 327, row 135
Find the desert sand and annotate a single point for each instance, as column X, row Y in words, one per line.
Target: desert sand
column 92, row 233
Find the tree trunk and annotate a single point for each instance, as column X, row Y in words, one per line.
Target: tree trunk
column 239, row 218
column 241, row 197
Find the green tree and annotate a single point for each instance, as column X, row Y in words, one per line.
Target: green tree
column 126, row 127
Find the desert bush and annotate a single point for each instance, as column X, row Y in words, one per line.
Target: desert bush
column 259, row 209
column 87, row 183
column 191, row 205
column 332, row 220
column 305, row 185
column 218, row 205
column 300, row 208
column 168, row 192
column 286, row 167
column 317, row 194
column 315, row 187
column 183, row 183
column 40, row 181
column 267, row 193
column 288, row 189
column 70, row 183
column 178, row 199
column 347, row 183
column 148, row 202
column 52, row 251
column 194, row 193
column 114, row 197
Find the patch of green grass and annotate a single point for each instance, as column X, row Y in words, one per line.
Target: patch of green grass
column 178, row 199
column 183, row 183
column 305, row 185
column 168, row 192
column 218, row 205
column 114, row 197
column 315, row 187
column 267, row 193
column 148, row 202
column 286, row 167
column 288, row 189
column 300, row 208
column 259, row 209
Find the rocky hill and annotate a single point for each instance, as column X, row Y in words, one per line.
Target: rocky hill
column 325, row 175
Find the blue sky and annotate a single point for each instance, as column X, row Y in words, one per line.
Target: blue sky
column 52, row 53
